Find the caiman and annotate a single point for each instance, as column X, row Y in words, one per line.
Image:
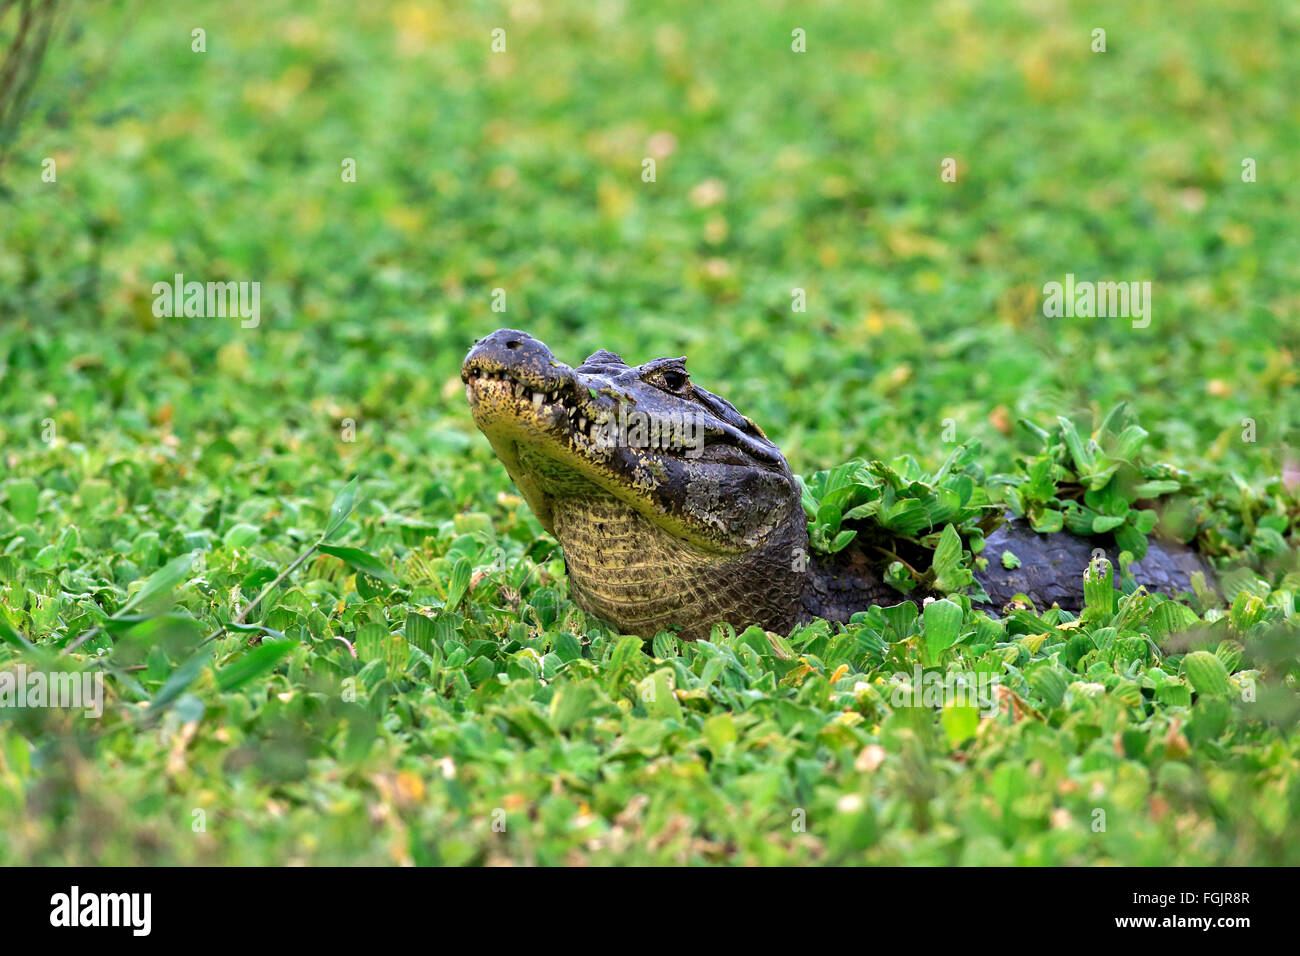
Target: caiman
column 674, row 511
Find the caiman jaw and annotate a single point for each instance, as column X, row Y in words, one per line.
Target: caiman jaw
column 520, row 396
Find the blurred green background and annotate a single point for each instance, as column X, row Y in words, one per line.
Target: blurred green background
column 776, row 170
column 522, row 170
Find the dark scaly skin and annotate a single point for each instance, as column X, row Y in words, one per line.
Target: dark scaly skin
column 1052, row 565
column 681, row 534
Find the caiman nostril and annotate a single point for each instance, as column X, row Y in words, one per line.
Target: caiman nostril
column 512, row 344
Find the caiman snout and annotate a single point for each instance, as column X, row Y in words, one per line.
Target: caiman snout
column 515, row 353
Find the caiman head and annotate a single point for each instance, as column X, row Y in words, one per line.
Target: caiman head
column 674, row 510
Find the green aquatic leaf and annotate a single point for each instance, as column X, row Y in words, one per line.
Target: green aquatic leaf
column 359, row 560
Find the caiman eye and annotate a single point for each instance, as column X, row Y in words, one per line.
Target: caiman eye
column 673, row 380
column 668, row 376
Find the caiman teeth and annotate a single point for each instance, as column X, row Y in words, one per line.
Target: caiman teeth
column 571, row 405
